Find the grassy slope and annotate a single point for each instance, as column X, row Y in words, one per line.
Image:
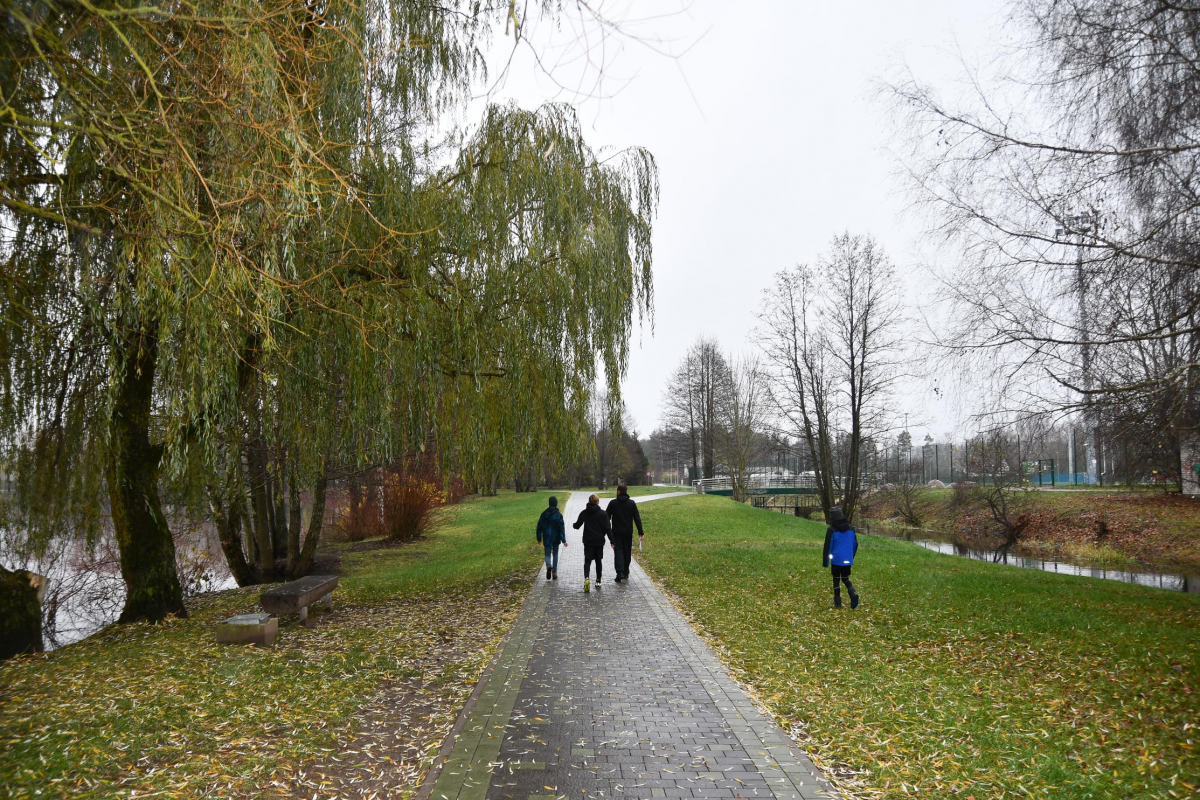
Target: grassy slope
column 1148, row 525
column 165, row 708
column 643, row 491
column 954, row 675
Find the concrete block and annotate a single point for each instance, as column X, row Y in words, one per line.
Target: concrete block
column 260, row 629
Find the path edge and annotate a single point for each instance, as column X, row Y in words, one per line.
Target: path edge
column 825, row 786
column 429, row 782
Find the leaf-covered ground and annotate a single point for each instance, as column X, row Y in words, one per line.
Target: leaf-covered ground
column 357, row 704
column 954, row 678
column 1092, row 524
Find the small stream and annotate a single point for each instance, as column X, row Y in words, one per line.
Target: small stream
column 952, row 545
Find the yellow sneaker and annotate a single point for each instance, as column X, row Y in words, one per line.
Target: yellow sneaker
column 587, row 584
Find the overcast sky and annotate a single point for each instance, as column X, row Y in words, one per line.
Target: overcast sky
column 769, row 139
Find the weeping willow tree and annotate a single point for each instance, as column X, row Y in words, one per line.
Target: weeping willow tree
column 234, row 254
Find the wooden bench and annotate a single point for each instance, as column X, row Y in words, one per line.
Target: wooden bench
column 295, row 597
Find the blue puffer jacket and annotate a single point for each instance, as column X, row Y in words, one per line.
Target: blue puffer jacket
column 841, row 544
column 551, row 529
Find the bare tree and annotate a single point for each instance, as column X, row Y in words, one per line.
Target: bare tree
column 802, row 383
column 830, row 335
column 742, row 405
column 690, row 403
column 1069, row 189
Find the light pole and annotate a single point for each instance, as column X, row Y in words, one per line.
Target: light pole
column 1079, row 226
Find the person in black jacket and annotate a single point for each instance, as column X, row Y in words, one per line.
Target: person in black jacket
column 623, row 514
column 596, row 528
column 841, row 545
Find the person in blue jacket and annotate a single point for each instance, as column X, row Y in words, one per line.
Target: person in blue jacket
column 840, row 547
column 551, row 532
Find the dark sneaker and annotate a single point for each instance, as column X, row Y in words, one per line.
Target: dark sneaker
column 555, row 577
column 548, row 571
column 854, row 601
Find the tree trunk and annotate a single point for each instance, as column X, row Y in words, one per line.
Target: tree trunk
column 257, row 461
column 251, row 544
column 20, row 613
column 309, row 552
column 147, row 551
column 229, row 530
column 293, row 539
column 279, row 519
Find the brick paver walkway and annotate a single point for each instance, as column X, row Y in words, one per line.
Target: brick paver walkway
column 611, row 694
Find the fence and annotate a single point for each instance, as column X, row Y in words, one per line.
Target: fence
column 1058, row 460
column 800, row 505
column 759, row 484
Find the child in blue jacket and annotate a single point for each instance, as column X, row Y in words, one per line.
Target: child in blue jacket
column 840, row 546
column 551, row 532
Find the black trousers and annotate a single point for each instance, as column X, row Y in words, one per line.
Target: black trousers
column 623, row 554
column 843, row 574
column 593, row 552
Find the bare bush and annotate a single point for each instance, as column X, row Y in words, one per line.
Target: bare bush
column 360, row 519
column 906, row 493
column 411, row 503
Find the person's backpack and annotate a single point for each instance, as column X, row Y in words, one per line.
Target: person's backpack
column 841, row 548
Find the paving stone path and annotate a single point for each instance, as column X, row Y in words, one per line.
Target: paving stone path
column 610, row 694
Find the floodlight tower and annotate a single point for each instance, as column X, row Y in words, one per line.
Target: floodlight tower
column 1080, row 226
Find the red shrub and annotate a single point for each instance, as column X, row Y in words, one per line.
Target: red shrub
column 410, row 506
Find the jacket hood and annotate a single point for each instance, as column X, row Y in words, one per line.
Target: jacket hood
column 837, row 519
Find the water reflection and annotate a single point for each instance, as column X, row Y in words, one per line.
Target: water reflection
column 84, row 590
column 1004, row 554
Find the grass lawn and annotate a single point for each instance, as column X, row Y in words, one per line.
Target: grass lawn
column 954, row 678
column 139, row 709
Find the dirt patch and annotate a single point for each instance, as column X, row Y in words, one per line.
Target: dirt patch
column 370, row 545
column 396, row 737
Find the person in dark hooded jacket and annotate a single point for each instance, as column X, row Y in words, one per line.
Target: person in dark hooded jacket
column 551, row 532
column 623, row 514
column 841, row 545
column 596, row 529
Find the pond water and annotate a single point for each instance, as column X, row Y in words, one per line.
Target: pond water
column 952, row 545
column 84, row 591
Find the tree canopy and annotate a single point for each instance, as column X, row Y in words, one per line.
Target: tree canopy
column 237, row 251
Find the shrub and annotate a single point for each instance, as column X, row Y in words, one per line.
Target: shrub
column 411, row 503
column 360, row 519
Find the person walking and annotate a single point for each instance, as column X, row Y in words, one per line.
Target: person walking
column 841, row 545
column 596, row 528
column 551, row 532
column 623, row 515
